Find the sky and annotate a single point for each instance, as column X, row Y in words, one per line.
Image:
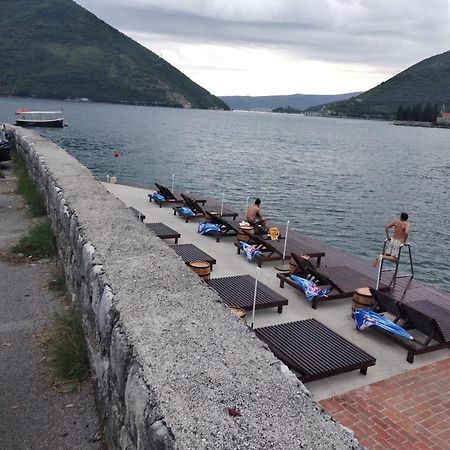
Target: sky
column 282, row 47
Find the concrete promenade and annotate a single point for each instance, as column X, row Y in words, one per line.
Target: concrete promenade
column 397, row 405
column 391, row 358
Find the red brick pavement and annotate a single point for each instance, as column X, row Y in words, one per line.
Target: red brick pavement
column 408, row 411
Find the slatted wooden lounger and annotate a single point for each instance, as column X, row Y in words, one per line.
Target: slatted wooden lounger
column 274, row 250
column 430, row 319
column 169, row 196
column 210, row 209
column 314, row 351
column 163, row 231
column 238, row 291
column 189, row 253
column 137, row 213
column 342, row 279
column 227, row 227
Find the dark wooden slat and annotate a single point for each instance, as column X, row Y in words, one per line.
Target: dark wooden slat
column 436, row 312
column 273, row 250
column 163, row 231
column 343, row 280
column 189, row 253
column 137, row 213
column 313, row 350
column 239, row 291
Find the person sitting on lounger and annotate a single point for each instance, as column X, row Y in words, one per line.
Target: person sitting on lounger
column 254, row 215
column 401, row 230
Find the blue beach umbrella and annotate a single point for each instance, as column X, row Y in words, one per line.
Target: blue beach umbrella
column 249, row 250
column 310, row 288
column 365, row 318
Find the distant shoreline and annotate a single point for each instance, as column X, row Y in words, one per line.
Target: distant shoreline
column 410, row 123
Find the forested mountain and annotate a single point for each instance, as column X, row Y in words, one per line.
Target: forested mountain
column 425, row 83
column 270, row 102
column 57, row 49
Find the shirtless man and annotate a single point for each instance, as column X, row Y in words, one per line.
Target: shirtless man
column 254, row 216
column 401, row 230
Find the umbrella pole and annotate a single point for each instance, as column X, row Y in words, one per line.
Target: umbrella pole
column 254, row 297
column 284, row 267
column 173, row 182
column 221, row 206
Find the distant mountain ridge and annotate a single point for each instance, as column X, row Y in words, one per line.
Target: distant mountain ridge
column 425, row 82
column 269, row 102
column 58, row 49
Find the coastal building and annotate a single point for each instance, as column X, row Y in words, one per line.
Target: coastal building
column 443, row 118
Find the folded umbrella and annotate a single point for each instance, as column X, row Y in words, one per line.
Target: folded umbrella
column 310, row 288
column 365, row 318
column 159, row 197
column 205, row 227
column 185, row 211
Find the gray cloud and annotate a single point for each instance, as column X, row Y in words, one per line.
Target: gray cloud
column 387, row 36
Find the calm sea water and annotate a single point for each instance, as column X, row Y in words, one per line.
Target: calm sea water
column 338, row 180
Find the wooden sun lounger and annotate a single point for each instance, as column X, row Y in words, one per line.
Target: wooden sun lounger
column 227, row 227
column 137, row 213
column 424, row 316
column 273, row 250
column 238, row 291
column 170, row 197
column 314, row 351
column 163, row 231
column 342, row 279
column 189, row 253
column 211, row 209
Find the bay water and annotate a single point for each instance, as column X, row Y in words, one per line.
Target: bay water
column 338, row 180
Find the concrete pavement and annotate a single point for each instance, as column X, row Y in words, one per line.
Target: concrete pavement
column 36, row 411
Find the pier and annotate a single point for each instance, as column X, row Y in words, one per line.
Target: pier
column 391, row 358
column 172, row 366
column 393, row 380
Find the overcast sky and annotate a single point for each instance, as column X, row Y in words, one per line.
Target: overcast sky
column 273, row 47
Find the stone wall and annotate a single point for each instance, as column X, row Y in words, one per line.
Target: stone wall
column 167, row 356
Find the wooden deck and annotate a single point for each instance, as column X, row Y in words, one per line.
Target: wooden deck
column 406, row 290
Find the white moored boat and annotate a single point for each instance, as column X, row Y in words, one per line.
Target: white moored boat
column 27, row 118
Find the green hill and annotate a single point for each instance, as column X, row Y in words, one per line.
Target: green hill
column 57, row 49
column 426, row 82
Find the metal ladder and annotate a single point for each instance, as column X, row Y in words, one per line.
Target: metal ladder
column 395, row 269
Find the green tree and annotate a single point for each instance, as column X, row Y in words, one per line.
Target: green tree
column 428, row 113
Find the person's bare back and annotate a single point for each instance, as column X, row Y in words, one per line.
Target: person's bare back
column 401, row 230
column 392, row 248
column 254, row 216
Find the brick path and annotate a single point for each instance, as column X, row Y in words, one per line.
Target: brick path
column 410, row 410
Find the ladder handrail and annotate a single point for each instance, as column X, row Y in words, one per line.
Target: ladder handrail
column 395, row 276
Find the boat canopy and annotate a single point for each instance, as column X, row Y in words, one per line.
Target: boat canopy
column 27, row 111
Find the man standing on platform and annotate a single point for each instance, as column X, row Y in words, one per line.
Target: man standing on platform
column 401, row 231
